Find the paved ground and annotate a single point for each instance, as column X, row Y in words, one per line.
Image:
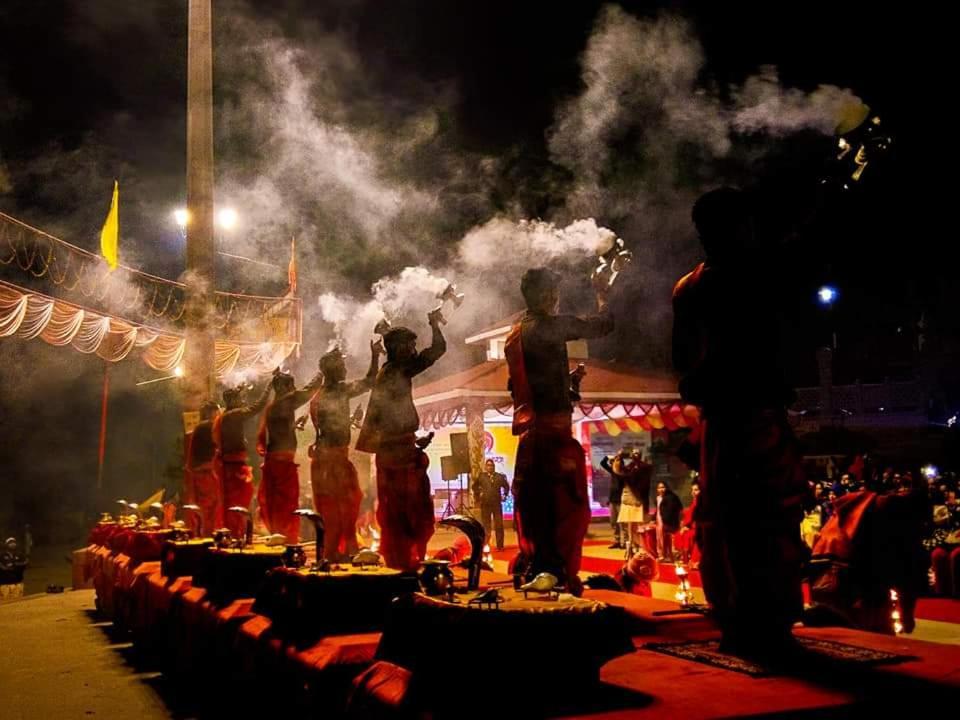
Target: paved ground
column 49, row 565
column 59, row 662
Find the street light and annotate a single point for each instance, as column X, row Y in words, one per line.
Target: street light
column 227, row 218
column 827, row 295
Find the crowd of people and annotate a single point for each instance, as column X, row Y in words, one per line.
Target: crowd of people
column 632, row 513
column 939, row 491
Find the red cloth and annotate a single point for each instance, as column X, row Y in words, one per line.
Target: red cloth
column 637, row 573
column 204, row 490
column 236, row 477
column 336, row 497
column 405, row 509
column 748, row 523
column 279, row 495
column 685, row 541
column 381, row 691
column 551, row 507
column 458, row 552
column 523, row 413
column 871, row 544
column 236, row 481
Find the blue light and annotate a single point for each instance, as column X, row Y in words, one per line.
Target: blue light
column 827, row 295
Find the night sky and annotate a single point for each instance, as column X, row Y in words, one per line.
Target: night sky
column 93, row 90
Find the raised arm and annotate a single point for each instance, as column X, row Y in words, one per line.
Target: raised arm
column 572, row 327
column 358, row 387
column 302, row 396
column 428, row 357
column 258, row 405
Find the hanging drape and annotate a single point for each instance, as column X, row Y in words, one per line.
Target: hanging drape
column 31, row 315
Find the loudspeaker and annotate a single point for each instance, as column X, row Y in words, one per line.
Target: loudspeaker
column 460, row 451
column 448, row 468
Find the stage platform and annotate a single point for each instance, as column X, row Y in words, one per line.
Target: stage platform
column 666, row 674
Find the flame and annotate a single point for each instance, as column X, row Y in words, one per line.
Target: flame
column 895, row 613
column 683, row 595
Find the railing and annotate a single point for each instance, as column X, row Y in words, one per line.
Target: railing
column 864, row 399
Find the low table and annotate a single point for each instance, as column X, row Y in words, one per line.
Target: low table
column 228, row 574
column 306, row 605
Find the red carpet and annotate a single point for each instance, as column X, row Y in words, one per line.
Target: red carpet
column 938, row 609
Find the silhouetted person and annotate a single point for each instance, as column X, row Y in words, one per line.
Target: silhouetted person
column 634, row 477
column 230, row 461
column 614, row 498
column 404, row 505
column 490, row 490
column 279, row 492
column 726, row 348
column 668, row 509
column 336, row 486
column 202, row 486
column 550, row 481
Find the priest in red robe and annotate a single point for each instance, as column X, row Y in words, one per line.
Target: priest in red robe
column 550, row 481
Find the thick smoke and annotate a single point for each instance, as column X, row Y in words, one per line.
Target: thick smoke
column 648, row 133
column 312, row 144
column 403, row 298
column 501, row 242
column 366, row 165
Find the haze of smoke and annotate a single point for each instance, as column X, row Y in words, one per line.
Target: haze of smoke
column 501, row 242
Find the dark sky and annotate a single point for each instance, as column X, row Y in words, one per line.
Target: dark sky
column 94, row 89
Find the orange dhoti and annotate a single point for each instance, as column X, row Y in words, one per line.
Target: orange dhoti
column 748, row 524
column 551, row 505
column 336, row 497
column 279, row 495
column 405, row 509
column 203, row 489
column 237, row 480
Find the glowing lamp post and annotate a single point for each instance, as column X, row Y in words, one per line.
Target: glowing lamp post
column 827, row 295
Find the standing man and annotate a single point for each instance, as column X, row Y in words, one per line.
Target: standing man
column 202, row 487
column 669, row 509
column 550, row 481
column 336, row 487
column 404, row 505
column 230, row 461
column 726, row 349
column 489, row 491
column 279, row 492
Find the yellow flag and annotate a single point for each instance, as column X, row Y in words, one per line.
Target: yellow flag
column 155, row 498
column 110, row 234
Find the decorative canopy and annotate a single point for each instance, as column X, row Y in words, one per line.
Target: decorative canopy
column 615, row 397
column 255, row 333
